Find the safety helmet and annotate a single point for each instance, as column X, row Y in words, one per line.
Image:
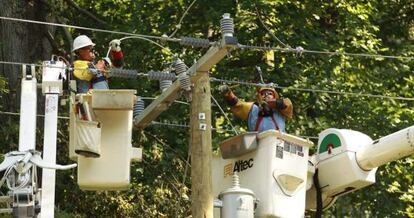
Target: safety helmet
column 82, row 41
column 108, row 61
column 259, row 91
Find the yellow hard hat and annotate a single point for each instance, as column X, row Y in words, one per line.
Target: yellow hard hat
column 259, row 91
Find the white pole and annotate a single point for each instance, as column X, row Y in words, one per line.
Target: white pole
column 49, row 156
column 28, row 104
column 386, row 149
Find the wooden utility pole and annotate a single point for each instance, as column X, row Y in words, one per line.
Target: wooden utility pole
column 201, row 178
column 204, row 64
column 201, row 181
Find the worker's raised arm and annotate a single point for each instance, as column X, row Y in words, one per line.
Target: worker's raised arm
column 287, row 109
column 239, row 108
column 283, row 105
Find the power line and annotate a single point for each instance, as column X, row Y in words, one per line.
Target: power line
column 215, row 129
column 66, row 68
column 225, row 115
column 311, row 90
column 300, row 50
column 38, row 115
column 21, row 63
column 173, row 125
column 178, row 26
column 257, row 85
column 152, row 98
column 164, row 38
column 267, row 29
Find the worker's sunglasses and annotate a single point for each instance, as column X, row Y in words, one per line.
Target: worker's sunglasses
column 90, row 49
column 266, row 93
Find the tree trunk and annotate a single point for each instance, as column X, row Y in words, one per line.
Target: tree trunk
column 21, row 42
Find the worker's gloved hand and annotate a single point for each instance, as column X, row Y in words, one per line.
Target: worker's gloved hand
column 115, row 45
column 108, row 62
column 266, row 110
column 224, row 89
column 228, row 95
column 100, row 65
column 280, row 104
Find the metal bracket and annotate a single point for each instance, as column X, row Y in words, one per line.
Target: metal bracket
column 201, row 116
column 202, row 126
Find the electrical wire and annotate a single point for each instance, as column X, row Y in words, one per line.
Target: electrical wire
column 91, row 29
column 178, row 26
column 214, row 129
column 57, row 67
column 225, row 115
column 185, row 126
column 311, row 90
column 152, row 98
column 173, row 125
column 38, row 115
column 213, row 79
column 267, row 29
column 143, row 38
column 299, row 50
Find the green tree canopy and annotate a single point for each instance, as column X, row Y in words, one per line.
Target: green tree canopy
column 160, row 184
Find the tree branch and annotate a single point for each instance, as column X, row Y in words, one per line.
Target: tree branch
column 54, row 45
column 69, row 38
column 85, row 12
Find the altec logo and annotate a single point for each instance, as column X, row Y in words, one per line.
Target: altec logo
column 241, row 165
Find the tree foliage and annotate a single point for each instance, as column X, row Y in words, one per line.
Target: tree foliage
column 160, row 184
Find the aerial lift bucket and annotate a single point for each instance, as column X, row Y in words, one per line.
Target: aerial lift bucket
column 108, row 124
column 272, row 164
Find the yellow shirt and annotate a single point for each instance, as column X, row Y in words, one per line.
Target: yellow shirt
column 81, row 70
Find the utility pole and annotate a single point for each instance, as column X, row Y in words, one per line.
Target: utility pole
column 201, row 180
column 201, row 192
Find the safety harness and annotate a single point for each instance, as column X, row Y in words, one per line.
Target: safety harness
column 263, row 114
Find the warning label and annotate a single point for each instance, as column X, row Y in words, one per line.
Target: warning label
column 289, row 148
column 279, row 152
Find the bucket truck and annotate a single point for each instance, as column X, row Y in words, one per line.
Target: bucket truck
column 276, row 168
column 25, row 198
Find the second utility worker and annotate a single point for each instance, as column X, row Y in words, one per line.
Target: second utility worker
column 268, row 113
column 91, row 75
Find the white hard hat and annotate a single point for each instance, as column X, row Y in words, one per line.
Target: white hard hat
column 107, row 61
column 82, row 41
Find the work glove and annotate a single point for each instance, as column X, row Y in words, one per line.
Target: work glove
column 266, row 110
column 107, row 61
column 228, row 95
column 115, row 45
column 280, row 104
column 224, row 89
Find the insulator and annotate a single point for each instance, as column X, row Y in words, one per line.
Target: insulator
column 227, row 25
column 138, row 107
column 188, row 96
column 123, row 73
column 180, row 67
column 157, row 75
column 185, row 82
column 165, row 84
column 196, row 42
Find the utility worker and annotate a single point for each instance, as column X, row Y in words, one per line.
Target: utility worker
column 89, row 74
column 269, row 112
